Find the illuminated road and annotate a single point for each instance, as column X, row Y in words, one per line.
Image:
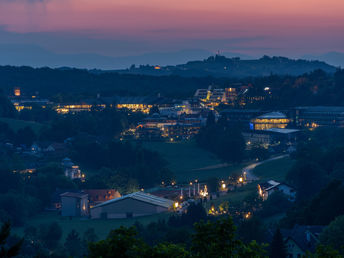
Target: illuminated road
column 249, row 169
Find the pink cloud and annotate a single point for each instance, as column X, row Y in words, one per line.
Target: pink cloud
column 184, row 19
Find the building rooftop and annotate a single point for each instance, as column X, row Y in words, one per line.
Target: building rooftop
column 339, row 109
column 241, row 111
column 74, row 195
column 282, row 131
column 141, row 196
column 273, row 115
column 306, row 237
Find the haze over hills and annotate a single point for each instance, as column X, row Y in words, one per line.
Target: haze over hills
column 36, row 56
column 221, row 66
column 333, row 58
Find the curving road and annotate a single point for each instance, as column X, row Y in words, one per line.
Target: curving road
column 249, row 169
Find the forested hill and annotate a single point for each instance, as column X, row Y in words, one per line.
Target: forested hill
column 70, row 85
column 48, row 82
column 220, row 66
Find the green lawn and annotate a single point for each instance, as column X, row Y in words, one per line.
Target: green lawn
column 101, row 227
column 16, row 124
column 276, row 169
column 186, row 159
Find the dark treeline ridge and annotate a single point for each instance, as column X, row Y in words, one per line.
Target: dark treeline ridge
column 221, row 66
column 314, row 88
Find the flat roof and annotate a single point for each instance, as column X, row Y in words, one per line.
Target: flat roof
column 141, row 196
column 323, row 108
column 273, row 115
column 241, row 110
column 283, row 131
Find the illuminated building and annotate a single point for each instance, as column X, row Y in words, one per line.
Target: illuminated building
column 98, row 196
column 270, row 120
column 312, row 117
column 157, row 127
column 211, row 97
column 72, row 171
column 266, row 189
column 21, row 104
column 231, row 95
column 204, row 192
column 273, row 136
column 136, row 104
column 17, row 92
column 73, row 108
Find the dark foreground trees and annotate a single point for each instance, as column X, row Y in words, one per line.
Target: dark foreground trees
column 7, row 250
column 211, row 239
column 278, row 248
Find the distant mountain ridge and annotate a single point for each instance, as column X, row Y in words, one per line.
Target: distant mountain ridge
column 332, row 58
column 221, row 66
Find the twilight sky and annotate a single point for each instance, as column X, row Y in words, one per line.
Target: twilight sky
column 134, row 27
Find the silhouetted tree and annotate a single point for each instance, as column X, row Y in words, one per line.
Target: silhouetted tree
column 277, row 247
column 5, row 250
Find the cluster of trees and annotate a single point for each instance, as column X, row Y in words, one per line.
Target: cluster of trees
column 25, row 135
column 105, row 123
column 226, row 141
column 320, row 210
column 319, row 160
column 118, row 162
column 76, row 84
column 210, row 239
column 223, row 139
column 6, row 107
column 22, row 196
column 314, row 88
column 46, row 240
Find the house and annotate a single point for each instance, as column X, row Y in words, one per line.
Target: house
column 98, row 196
column 55, row 200
column 35, row 149
column 74, row 172
column 70, row 170
column 301, row 239
column 74, row 204
column 266, row 189
column 56, row 147
column 131, row 205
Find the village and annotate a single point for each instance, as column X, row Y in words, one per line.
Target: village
column 273, row 134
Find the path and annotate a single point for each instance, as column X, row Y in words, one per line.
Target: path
column 249, row 169
column 222, row 165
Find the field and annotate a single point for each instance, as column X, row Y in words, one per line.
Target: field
column 189, row 162
column 16, row 124
column 275, row 169
column 101, row 227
